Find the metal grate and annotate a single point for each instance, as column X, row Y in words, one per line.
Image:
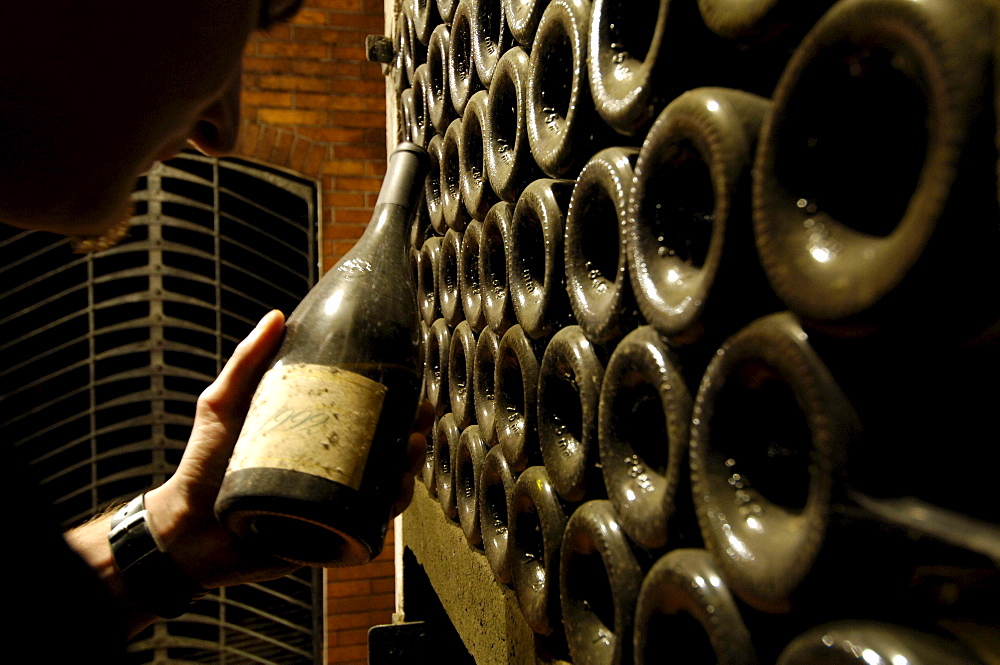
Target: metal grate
column 102, row 359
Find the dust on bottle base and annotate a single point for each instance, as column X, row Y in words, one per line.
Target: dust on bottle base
column 303, row 518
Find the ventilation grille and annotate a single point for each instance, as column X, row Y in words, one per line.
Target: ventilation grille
column 102, row 359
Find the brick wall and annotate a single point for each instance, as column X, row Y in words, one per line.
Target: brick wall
column 312, row 103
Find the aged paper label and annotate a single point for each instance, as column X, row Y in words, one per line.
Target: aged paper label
column 311, row 418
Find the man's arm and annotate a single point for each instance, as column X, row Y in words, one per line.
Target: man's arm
column 181, row 512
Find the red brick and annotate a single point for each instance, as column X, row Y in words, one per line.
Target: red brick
column 309, row 17
column 384, row 585
column 296, row 83
column 339, row 5
column 349, row 70
column 355, row 151
column 358, row 184
column 346, row 200
column 300, row 150
column 372, row 22
column 268, row 65
column 293, row 50
column 344, row 167
column 368, row 119
column 334, row 134
column 352, row 53
column 349, row 637
column 282, row 148
column 279, row 99
column 292, row 117
column 353, row 217
column 249, row 133
column 348, row 589
column 265, row 144
column 341, row 654
column 341, row 231
column 314, row 160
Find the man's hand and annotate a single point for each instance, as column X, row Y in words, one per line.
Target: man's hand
column 181, row 512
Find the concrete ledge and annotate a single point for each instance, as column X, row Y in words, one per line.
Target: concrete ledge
column 484, row 612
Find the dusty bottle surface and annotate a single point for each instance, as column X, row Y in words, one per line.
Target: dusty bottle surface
column 342, row 389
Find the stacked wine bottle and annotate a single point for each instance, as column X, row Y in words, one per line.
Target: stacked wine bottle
column 711, row 312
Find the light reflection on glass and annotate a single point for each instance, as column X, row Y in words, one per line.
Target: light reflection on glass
column 739, row 548
column 821, row 254
column 871, row 657
column 333, row 302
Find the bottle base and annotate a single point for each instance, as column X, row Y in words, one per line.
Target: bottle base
column 301, row 518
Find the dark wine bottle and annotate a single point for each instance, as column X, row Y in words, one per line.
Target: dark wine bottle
column 497, row 484
column 599, row 580
column 535, row 272
column 841, row 642
column 469, row 461
column 461, row 369
column 432, row 189
column 476, row 189
column 484, row 388
column 691, row 251
column 407, row 115
column 493, row 244
column 516, row 397
column 463, row 80
column 427, row 279
column 522, row 19
column 562, row 125
column 456, row 215
column 425, row 19
column 753, row 21
column 436, row 366
column 491, row 37
column 420, row 227
column 446, row 10
column 469, row 287
column 569, row 389
column 342, row 389
column 400, row 42
column 596, row 261
column 851, row 243
column 644, row 421
column 437, row 65
column 445, row 445
column 422, row 129
column 537, row 521
column 771, row 428
column 684, row 607
column 448, row 290
column 411, row 52
column 642, row 55
column 509, row 164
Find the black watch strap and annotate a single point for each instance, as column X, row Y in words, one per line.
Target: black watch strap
column 152, row 580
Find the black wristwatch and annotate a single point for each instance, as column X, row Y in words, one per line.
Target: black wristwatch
column 152, row 580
